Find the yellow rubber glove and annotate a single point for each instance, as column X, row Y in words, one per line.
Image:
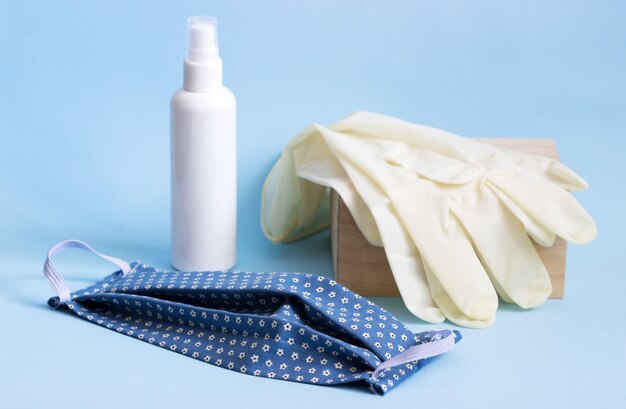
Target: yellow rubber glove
column 462, row 204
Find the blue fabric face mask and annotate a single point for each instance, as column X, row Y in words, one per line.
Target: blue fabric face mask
column 289, row 326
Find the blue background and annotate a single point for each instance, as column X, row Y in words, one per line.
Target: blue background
column 84, row 153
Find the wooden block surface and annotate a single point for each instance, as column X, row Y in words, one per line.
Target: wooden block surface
column 364, row 268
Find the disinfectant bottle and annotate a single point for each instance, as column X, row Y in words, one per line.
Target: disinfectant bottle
column 204, row 166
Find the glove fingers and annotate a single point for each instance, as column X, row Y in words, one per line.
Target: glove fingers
column 450, row 255
column 462, row 276
column 403, row 257
column 410, row 278
column 534, row 229
column 551, row 206
column 506, row 252
column 548, row 169
column 449, row 308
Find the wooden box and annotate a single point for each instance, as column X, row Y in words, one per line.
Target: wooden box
column 364, row 269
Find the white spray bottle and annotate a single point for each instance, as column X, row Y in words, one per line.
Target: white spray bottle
column 203, row 146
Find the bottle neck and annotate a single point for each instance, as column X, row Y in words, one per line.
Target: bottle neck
column 204, row 76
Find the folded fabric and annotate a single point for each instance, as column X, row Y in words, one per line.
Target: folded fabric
column 454, row 215
column 288, row 326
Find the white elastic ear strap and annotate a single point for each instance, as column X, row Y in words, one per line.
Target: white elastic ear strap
column 56, row 280
column 417, row 352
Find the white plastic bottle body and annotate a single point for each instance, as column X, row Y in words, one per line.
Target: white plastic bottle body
column 204, row 180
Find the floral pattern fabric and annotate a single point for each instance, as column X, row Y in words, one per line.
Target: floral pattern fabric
column 288, row 326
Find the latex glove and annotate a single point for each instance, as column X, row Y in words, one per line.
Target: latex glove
column 462, row 212
column 458, row 165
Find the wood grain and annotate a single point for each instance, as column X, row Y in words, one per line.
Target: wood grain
column 364, row 268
